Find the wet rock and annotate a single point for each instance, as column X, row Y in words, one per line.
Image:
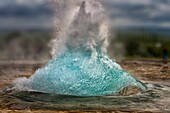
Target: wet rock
column 131, row 90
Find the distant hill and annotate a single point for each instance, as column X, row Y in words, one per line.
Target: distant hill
column 151, row 29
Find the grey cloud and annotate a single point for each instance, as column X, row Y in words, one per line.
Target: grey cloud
column 12, row 8
column 144, row 11
column 22, row 14
column 122, row 12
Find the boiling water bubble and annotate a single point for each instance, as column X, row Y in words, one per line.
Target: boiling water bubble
column 75, row 73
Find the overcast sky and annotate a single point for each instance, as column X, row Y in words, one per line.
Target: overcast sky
column 24, row 14
column 140, row 12
column 123, row 13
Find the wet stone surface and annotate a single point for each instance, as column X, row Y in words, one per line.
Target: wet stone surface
column 155, row 100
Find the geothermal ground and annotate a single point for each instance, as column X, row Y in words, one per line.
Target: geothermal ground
column 150, row 71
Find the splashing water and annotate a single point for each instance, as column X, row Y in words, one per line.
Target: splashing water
column 80, row 65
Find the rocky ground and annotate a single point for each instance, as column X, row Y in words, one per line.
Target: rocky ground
column 148, row 70
column 153, row 71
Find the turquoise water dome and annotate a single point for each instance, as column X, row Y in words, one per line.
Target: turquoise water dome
column 83, row 68
column 75, row 73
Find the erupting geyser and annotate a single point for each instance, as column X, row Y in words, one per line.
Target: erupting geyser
column 80, row 65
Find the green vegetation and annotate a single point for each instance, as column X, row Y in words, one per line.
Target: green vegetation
column 142, row 44
column 24, row 45
column 18, row 45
